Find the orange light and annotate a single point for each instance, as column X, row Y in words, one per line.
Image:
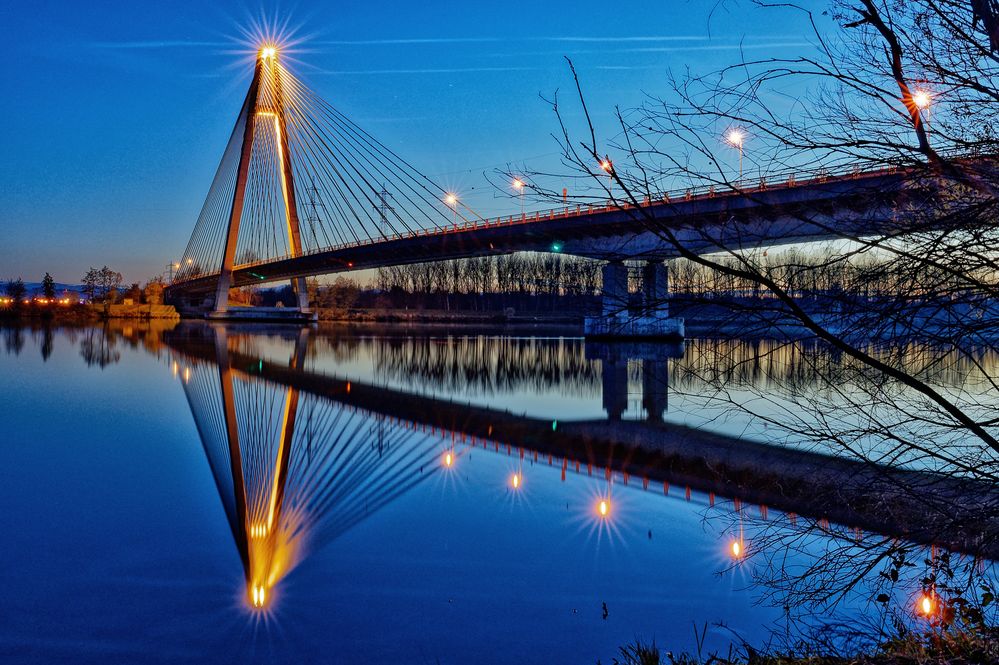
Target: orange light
column 258, row 596
column 926, row 604
column 736, row 549
column 268, row 52
column 448, row 459
column 921, row 99
column 603, row 508
column 607, row 165
column 515, row 481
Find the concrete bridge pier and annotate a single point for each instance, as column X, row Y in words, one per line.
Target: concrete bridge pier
column 652, row 321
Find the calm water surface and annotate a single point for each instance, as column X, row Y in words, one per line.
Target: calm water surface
column 342, row 534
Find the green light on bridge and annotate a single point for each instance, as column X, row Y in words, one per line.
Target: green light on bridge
column 554, row 425
column 556, row 247
column 258, row 276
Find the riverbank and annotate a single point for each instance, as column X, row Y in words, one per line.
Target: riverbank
column 699, row 322
column 934, row 645
column 88, row 313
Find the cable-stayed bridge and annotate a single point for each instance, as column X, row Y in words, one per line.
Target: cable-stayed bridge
column 301, row 190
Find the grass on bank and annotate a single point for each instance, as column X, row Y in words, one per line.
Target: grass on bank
column 979, row 646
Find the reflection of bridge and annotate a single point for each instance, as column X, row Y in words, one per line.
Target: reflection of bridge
column 292, row 470
column 300, row 441
column 302, row 191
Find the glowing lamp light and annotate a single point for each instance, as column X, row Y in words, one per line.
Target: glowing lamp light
column 737, row 549
column 735, row 137
column 515, row 481
column 448, row 459
column 451, row 199
column 921, row 99
column 518, row 184
column 603, row 508
column 926, row 606
column 268, row 52
column 607, row 165
column 556, row 247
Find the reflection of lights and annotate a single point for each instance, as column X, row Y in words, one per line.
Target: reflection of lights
column 187, row 374
column 258, row 530
column 926, row 606
column 448, row 459
column 737, row 549
column 515, row 481
column 176, row 368
column 258, row 595
column 603, row 508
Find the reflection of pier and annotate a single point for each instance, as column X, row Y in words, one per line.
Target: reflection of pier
column 655, row 375
column 919, row 506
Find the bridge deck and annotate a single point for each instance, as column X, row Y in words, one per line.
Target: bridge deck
column 699, row 214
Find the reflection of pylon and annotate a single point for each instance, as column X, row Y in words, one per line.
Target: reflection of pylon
column 281, row 496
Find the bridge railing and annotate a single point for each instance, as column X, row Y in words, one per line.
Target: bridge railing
column 780, row 180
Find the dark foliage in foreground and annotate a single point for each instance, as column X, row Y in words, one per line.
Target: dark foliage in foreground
column 975, row 645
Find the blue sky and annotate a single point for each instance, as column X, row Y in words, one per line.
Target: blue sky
column 117, row 112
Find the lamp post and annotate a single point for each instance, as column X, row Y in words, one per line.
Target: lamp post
column 922, row 100
column 518, row 185
column 452, row 201
column 607, row 166
column 735, row 137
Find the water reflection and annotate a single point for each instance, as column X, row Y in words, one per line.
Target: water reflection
column 308, row 434
column 300, row 454
column 293, row 470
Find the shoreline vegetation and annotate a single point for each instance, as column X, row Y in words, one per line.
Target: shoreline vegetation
column 934, row 644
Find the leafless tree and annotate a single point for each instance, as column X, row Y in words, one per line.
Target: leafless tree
column 905, row 292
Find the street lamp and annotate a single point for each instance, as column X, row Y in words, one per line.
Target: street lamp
column 922, row 100
column 452, row 201
column 518, row 184
column 735, row 137
column 607, row 166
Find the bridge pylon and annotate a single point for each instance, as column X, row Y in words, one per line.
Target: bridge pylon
column 264, row 105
